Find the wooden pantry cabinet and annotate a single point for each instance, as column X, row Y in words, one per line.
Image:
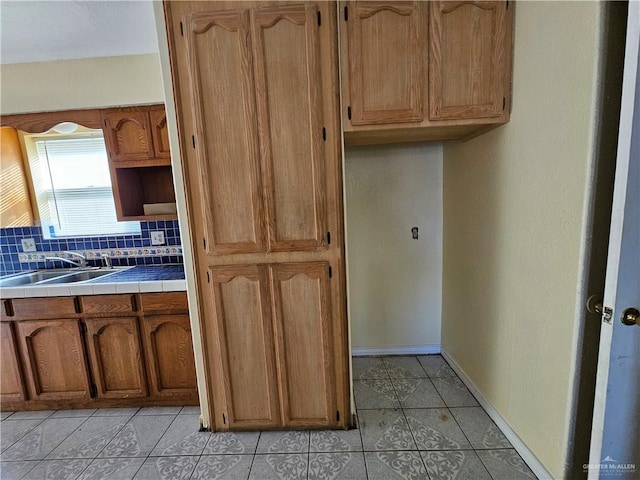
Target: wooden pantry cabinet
column 261, row 153
column 97, row 351
column 416, row 71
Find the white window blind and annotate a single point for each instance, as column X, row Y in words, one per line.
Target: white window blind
column 73, row 188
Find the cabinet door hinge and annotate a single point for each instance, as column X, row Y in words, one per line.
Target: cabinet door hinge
column 93, row 390
column 324, row 134
column 224, row 419
column 349, row 112
column 181, row 29
column 330, row 272
column 346, row 13
column 507, row 4
column 504, row 102
column 204, row 243
column 83, row 327
column 319, row 19
column 328, row 238
column 208, row 278
column 337, row 415
column 193, row 141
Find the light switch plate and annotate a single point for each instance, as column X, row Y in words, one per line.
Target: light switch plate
column 28, row 245
column 157, row 238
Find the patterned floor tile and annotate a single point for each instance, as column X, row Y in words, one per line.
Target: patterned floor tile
column 78, row 412
column 167, row 468
column 159, row 411
column 40, row 441
column 14, row 430
column 454, row 465
column 182, row 437
column 57, row 469
column 404, row 367
column 417, row 393
column 16, row 470
column 505, row 465
column 436, row 429
column 223, row 467
column 454, row 392
column 37, row 414
column 5, row 415
column 283, row 442
column 385, row 430
column 436, row 366
column 479, row 428
column 337, row 466
column 279, row 467
column 112, row 468
column 368, row 367
column 232, row 443
column 90, row 438
column 375, row 393
column 395, row 466
column 138, row 437
column 116, row 412
column 336, row 441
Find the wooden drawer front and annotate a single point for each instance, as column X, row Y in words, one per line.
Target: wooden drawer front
column 164, row 301
column 111, row 304
column 38, row 308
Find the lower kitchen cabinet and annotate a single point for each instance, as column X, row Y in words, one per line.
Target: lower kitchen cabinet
column 97, row 351
column 116, row 360
column 54, row 360
column 169, row 356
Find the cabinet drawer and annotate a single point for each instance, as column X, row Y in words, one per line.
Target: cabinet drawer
column 101, row 304
column 38, row 308
column 154, row 302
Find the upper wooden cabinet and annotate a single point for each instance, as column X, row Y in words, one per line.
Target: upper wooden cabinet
column 415, row 71
column 136, row 133
column 15, row 209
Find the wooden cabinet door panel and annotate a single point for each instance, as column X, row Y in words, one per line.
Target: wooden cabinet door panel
column 169, row 356
column 116, row 357
column 54, row 358
column 386, row 43
column 289, row 99
column 128, row 135
column 467, row 59
column 159, row 133
column 243, row 321
column 226, row 145
column 304, row 342
column 15, row 208
column 11, row 380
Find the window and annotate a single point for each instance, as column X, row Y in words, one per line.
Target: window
column 72, row 184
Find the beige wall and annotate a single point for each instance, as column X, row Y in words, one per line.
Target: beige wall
column 83, row 83
column 395, row 282
column 514, row 202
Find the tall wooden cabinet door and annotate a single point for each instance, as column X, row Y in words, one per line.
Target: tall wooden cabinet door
column 15, row 208
column 386, row 44
column 304, row 342
column 128, row 135
column 54, row 359
column 289, row 98
column 115, row 352
column 11, row 380
column 469, row 68
column 159, row 132
column 225, row 141
column 169, row 356
column 245, row 338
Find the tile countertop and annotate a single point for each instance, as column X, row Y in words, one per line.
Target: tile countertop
column 140, row 279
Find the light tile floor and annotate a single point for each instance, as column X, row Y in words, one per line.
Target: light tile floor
column 416, row 419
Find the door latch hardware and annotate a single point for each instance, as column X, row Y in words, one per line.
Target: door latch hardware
column 594, row 305
column 631, row 316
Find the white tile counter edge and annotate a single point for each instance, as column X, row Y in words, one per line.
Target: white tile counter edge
column 66, row 290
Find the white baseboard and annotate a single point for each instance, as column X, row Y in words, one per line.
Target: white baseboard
column 398, row 350
column 527, row 455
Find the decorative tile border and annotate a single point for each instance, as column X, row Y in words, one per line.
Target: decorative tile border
column 97, row 254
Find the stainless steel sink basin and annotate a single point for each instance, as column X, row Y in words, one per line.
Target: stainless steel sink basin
column 58, row 276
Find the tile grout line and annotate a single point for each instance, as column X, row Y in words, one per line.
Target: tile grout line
column 255, row 452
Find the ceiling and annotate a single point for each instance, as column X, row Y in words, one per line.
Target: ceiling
column 38, row 31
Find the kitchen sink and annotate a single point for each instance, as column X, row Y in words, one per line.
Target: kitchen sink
column 58, row 276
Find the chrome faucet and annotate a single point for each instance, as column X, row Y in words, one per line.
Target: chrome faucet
column 106, row 259
column 82, row 260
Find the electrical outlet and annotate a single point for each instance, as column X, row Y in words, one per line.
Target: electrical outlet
column 157, row 238
column 28, row 245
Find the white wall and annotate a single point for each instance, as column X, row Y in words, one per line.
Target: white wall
column 395, row 282
column 82, row 83
column 514, row 224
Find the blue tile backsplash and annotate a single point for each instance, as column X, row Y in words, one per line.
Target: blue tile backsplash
column 125, row 250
